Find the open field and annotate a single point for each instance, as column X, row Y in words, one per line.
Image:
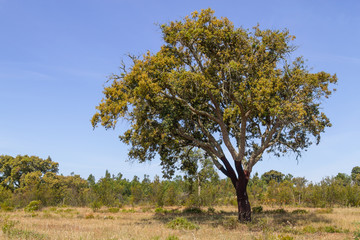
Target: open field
column 150, row 223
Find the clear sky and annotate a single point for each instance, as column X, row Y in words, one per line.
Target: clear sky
column 55, row 57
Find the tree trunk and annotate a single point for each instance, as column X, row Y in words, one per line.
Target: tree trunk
column 244, row 209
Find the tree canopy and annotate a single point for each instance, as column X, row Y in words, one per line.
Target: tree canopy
column 211, row 85
column 13, row 168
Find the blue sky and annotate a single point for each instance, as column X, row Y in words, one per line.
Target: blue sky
column 55, row 57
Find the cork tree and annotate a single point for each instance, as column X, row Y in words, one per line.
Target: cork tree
column 232, row 92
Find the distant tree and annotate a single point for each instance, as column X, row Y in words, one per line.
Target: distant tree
column 220, row 89
column 343, row 178
column 355, row 175
column 198, row 168
column 272, row 175
column 13, row 168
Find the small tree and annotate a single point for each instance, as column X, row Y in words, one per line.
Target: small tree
column 218, row 88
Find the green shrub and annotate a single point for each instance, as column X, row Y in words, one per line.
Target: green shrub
column 160, row 210
column 6, row 207
column 211, row 210
column 8, row 228
column 277, row 211
column 131, row 210
column 299, row 211
column 194, row 210
column 113, row 210
column 172, row 237
column 257, row 209
column 95, row 205
column 309, row 229
column 324, row 210
column 89, row 216
column 332, row 229
column 357, row 235
column 33, row 206
column 7, row 225
column 231, row 223
column 182, row 223
column 286, row 237
column 146, row 209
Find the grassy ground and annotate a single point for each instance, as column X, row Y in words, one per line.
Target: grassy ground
column 172, row 224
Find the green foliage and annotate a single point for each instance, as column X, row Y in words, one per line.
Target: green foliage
column 357, row 235
column 192, row 210
column 355, row 175
column 324, row 210
column 7, row 225
column 332, row 229
column 12, row 169
column 272, row 175
column 299, row 211
column 113, row 210
column 309, row 229
column 211, row 210
column 286, row 237
column 5, row 206
column 160, row 210
column 8, row 228
column 57, row 190
column 276, row 211
column 95, row 205
column 258, row 209
column 182, row 223
column 89, row 216
column 230, row 223
column 33, row 206
column 172, row 237
column 131, row 210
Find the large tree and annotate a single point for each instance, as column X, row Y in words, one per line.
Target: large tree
column 13, row 168
column 221, row 89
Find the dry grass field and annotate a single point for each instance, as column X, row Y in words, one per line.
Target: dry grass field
column 172, row 224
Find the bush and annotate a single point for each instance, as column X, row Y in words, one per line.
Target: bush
column 324, row 210
column 6, row 207
column 172, row 237
column 131, row 210
column 231, row 223
column 299, row 211
column 95, row 205
column 257, row 209
column 160, row 210
column 309, row 229
column 113, row 210
column 89, row 216
column 194, row 210
column 357, row 235
column 332, row 229
column 33, row 206
column 211, row 210
column 277, row 211
column 182, row 223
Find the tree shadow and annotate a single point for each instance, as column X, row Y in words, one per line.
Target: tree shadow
column 260, row 221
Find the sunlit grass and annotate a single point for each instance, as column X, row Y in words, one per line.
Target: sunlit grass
column 219, row 223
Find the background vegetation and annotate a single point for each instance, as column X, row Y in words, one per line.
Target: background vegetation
column 29, row 178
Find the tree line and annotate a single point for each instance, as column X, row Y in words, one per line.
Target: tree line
column 27, row 178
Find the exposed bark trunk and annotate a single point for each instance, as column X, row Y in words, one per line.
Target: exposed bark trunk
column 244, row 209
column 240, row 184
